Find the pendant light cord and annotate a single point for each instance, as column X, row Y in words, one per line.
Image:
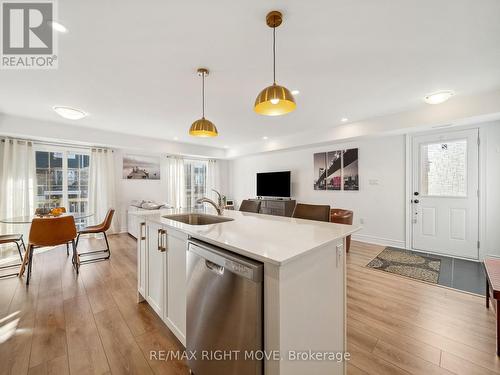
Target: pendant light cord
column 274, row 55
column 203, row 95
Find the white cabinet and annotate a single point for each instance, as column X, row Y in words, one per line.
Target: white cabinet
column 156, row 266
column 133, row 222
column 142, row 254
column 175, row 316
column 161, row 279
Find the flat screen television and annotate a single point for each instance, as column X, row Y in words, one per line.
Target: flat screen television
column 273, row 184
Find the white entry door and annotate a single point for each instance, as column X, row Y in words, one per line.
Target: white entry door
column 445, row 193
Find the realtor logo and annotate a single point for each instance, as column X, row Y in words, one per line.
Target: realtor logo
column 28, row 40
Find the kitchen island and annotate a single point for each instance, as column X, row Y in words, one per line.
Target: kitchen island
column 304, row 312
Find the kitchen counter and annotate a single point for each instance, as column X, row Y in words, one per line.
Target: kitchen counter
column 266, row 238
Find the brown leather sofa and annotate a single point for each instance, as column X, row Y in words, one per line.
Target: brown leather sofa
column 340, row 216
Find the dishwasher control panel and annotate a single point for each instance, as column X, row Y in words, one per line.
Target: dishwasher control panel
column 239, row 268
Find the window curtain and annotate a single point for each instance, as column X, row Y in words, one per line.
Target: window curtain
column 176, row 194
column 102, row 186
column 213, row 179
column 17, row 182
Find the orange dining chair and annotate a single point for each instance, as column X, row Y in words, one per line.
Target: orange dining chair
column 49, row 231
column 94, row 229
column 63, row 210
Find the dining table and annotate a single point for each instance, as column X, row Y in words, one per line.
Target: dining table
column 27, row 219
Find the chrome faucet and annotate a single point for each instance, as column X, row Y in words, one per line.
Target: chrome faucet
column 219, row 206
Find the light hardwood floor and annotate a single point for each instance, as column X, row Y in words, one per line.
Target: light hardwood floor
column 91, row 324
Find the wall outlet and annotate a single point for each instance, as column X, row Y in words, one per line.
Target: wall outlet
column 361, row 221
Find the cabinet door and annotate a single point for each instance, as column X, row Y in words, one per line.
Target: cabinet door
column 176, row 284
column 156, row 265
column 142, row 251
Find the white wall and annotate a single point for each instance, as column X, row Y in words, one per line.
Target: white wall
column 381, row 204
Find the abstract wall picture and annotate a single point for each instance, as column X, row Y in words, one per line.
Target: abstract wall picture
column 350, row 169
column 137, row 167
column 334, row 170
column 320, row 171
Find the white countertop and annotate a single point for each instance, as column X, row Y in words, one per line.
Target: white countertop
column 266, row 238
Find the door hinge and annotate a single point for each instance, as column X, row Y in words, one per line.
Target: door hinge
column 478, row 141
column 478, row 244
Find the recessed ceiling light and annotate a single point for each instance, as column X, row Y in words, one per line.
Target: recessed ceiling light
column 344, row 119
column 438, row 97
column 265, row 138
column 176, row 138
column 69, row 113
column 295, row 92
column 58, row 26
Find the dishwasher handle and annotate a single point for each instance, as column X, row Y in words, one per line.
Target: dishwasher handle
column 215, row 268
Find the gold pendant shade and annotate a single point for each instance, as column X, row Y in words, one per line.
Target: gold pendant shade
column 274, row 100
column 203, row 128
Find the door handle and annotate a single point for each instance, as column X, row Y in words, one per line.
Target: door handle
column 142, row 237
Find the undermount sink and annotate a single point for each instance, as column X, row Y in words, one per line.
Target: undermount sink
column 197, row 219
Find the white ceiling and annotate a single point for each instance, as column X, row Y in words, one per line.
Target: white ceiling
column 132, row 64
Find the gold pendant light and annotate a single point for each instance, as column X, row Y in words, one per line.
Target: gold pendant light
column 274, row 100
column 203, row 127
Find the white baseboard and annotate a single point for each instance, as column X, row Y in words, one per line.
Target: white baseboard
column 378, row 240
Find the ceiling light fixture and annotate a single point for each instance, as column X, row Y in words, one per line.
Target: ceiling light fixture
column 295, row 92
column 176, row 138
column 70, row 113
column 274, row 100
column 58, row 26
column 344, row 119
column 265, row 138
column 203, row 127
column 438, row 97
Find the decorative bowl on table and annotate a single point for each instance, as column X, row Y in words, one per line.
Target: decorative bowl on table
column 56, row 212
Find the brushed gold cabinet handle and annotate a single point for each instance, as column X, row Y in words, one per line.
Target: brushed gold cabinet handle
column 159, row 239
column 143, row 237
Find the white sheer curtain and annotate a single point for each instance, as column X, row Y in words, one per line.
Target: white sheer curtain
column 213, row 178
column 176, row 194
column 17, row 181
column 102, row 195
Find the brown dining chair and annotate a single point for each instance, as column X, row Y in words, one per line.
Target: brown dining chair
column 14, row 239
column 312, row 212
column 250, row 206
column 95, row 229
column 49, row 231
column 63, row 210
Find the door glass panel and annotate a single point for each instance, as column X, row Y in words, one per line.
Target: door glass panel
column 195, row 179
column 443, row 169
column 78, row 182
column 49, row 179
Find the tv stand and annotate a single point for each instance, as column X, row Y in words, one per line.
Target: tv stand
column 276, row 206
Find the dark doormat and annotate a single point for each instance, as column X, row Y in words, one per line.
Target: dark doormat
column 407, row 263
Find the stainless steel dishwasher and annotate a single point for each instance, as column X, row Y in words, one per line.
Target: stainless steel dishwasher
column 224, row 311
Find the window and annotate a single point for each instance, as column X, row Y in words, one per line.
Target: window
column 444, row 167
column 195, row 175
column 62, row 179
